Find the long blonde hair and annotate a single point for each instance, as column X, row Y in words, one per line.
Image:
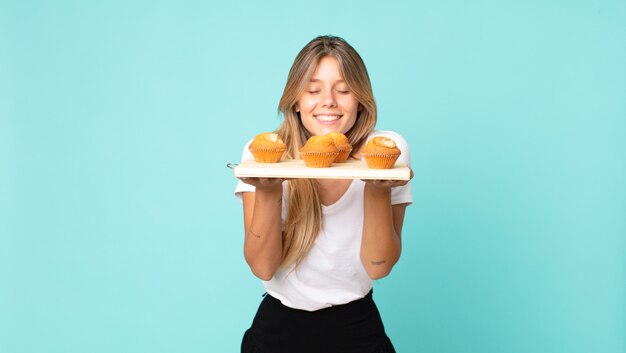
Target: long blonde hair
column 304, row 209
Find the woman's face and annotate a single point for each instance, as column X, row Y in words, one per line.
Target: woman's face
column 327, row 104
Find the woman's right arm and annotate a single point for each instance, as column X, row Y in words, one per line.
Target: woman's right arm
column 262, row 223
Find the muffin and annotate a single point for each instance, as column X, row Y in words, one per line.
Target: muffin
column 380, row 153
column 342, row 144
column 319, row 152
column 267, row 147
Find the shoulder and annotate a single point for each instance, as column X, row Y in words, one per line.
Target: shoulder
column 245, row 153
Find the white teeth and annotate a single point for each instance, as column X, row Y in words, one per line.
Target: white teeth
column 328, row 117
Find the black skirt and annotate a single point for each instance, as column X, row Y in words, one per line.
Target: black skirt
column 355, row 327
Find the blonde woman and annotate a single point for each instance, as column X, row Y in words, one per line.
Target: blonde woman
column 318, row 244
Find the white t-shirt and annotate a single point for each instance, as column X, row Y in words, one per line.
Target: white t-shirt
column 332, row 272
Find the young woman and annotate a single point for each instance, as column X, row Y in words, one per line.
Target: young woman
column 316, row 243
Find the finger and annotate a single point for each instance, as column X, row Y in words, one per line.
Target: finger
column 246, row 180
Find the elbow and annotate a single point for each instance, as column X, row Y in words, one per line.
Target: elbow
column 263, row 274
column 262, row 269
column 381, row 268
column 378, row 273
column 378, row 269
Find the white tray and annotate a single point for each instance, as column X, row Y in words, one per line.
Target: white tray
column 352, row 169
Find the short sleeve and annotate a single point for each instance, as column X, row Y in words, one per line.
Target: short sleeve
column 241, row 186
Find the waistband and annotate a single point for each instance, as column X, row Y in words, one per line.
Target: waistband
column 356, row 326
column 356, row 308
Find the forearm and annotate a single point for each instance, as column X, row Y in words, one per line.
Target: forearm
column 263, row 238
column 380, row 245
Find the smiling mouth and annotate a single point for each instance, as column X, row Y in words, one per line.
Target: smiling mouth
column 327, row 118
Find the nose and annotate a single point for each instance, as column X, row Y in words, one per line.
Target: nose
column 328, row 99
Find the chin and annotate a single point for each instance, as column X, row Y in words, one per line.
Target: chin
column 327, row 131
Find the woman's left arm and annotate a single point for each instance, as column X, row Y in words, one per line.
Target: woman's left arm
column 381, row 244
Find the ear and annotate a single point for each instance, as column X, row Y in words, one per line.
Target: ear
column 359, row 108
column 297, row 108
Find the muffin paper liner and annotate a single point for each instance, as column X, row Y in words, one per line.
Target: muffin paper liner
column 380, row 161
column 267, row 155
column 318, row 159
column 343, row 156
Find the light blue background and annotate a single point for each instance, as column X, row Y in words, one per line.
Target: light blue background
column 119, row 231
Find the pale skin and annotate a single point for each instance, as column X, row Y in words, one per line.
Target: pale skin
column 381, row 243
column 262, row 247
column 327, row 105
